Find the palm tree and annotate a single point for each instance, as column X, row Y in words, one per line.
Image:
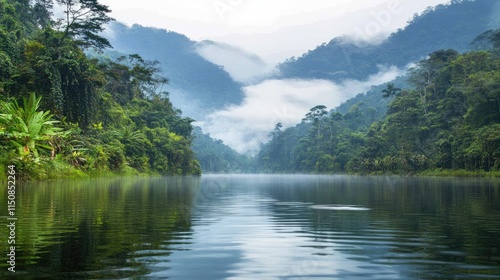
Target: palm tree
column 133, row 140
column 391, row 90
column 26, row 128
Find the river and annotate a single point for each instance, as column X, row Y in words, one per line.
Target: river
column 255, row 227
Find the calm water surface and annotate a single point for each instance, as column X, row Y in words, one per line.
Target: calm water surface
column 256, row 227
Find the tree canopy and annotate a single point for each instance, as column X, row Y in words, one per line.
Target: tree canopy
column 82, row 115
column 83, row 21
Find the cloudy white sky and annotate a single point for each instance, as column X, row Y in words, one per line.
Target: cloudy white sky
column 274, row 30
column 270, row 28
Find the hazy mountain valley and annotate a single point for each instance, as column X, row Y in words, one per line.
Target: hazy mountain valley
column 259, row 117
column 243, row 110
column 135, row 152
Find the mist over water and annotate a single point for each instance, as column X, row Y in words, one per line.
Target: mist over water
column 258, row 227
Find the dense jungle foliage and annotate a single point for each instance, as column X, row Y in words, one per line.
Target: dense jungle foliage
column 65, row 115
column 446, row 120
column 69, row 110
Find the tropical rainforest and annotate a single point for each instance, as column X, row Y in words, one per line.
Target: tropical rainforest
column 441, row 118
column 446, row 118
column 70, row 106
column 65, row 115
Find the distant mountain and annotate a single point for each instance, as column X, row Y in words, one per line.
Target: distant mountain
column 196, row 85
column 202, row 80
column 452, row 26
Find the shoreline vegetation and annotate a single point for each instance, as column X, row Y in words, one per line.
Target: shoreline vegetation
column 460, row 173
column 69, row 173
column 66, row 114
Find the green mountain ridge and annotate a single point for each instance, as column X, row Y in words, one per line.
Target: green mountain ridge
column 454, row 26
column 196, row 85
column 441, row 118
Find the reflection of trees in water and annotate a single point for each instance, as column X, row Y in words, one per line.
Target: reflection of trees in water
column 441, row 219
column 107, row 224
column 119, row 228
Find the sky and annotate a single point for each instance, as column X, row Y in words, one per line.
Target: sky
column 270, row 28
column 252, row 36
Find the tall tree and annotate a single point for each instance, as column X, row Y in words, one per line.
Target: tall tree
column 314, row 116
column 83, row 21
column 391, row 90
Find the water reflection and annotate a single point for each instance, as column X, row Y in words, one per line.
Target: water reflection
column 100, row 228
column 259, row 227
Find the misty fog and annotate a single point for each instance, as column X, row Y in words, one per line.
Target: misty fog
column 246, row 126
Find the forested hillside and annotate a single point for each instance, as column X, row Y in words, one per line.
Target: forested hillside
column 196, row 85
column 72, row 107
column 448, row 118
column 65, row 115
column 452, row 26
column 216, row 157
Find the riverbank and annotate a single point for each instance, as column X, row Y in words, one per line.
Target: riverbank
column 460, row 173
column 46, row 170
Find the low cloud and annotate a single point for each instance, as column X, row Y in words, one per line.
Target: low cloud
column 243, row 66
column 245, row 127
